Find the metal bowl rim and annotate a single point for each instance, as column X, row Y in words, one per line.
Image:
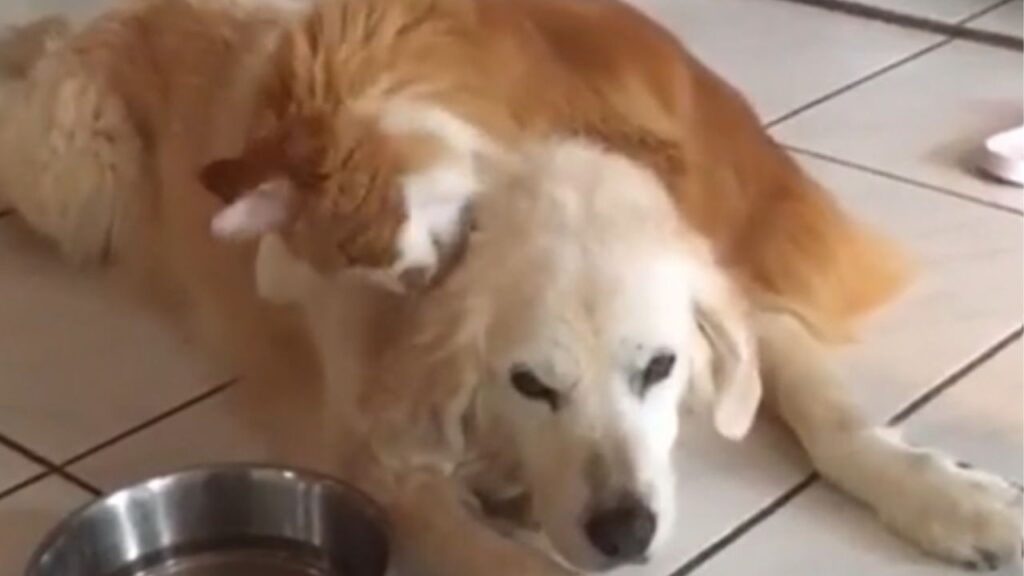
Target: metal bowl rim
column 365, row 502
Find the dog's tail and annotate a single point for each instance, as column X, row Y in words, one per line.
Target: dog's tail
column 792, row 241
column 812, row 255
column 22, row 46
column 68, row 151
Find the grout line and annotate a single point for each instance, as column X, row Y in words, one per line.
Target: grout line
column 40, row 476
column 146, row 424
column 738, row 531
column 884, row 69
column 24, row 483
column 903, row 179
column 954, row 377
column 28, row 453
column 49, row 466
column 955, row 30
column 858, row 82
column 77, row 481
column 780, row 501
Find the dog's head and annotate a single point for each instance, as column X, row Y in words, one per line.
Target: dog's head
column 562, row 347
column 580, row 318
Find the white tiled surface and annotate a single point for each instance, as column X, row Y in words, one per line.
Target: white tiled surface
column 120, row 367
column 949, row 11
column 761, row 45
column 924, row 120
column 1007, row 19
column 979, row 420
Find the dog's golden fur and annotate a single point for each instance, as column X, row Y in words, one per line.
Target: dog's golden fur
column 644, row 96
column 108, row 136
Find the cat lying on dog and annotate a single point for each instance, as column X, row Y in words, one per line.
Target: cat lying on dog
column 512, row 249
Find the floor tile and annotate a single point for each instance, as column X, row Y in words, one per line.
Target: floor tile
column 783, row 55
column 208, row 432
column 949, row 11
column 15, row 468
column 1008, row 19
column 980, row 418
column 969, row 292
column 79, row 361
column 823, row 532
column 217, row 429
column 925, row 120
column 28, row 514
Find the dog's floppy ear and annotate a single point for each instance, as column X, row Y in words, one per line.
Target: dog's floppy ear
column 733, row 365
column 259, row 187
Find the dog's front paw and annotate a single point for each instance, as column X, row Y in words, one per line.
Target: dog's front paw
column 965, row 515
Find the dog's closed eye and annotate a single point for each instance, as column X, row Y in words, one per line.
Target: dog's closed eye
column 658, row 369
column 532, row 387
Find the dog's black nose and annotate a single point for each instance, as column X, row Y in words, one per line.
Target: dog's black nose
column 624, row 531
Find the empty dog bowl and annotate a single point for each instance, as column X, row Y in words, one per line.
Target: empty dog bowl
column 221, row 521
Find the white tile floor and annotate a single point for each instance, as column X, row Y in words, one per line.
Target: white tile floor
column 885, row 116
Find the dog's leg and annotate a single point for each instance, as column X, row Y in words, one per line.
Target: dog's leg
column 437, row 536
column 966, row 516
column 434, row 533
column 69, row 154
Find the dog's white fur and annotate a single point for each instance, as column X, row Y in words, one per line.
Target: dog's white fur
column 584, row 298
column 579, row 269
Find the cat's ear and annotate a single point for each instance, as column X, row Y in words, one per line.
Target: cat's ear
column 259, row 186
column 256, row 212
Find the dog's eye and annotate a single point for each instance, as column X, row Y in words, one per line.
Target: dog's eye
column 530, row 386
column 657, row 369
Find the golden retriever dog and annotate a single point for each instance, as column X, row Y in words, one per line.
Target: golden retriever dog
column 475, row 256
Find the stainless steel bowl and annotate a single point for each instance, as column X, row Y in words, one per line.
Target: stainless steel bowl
column 228, row 520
